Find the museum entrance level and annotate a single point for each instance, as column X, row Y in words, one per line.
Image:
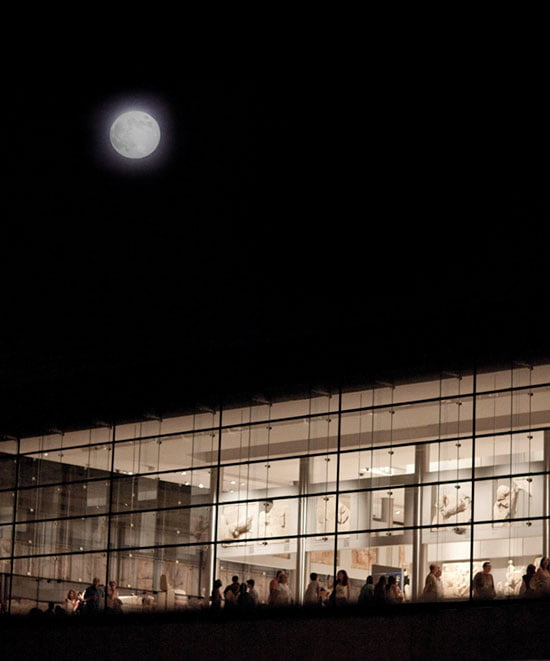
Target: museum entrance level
column 452, row 471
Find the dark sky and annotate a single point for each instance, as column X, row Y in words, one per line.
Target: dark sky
column 298, row 232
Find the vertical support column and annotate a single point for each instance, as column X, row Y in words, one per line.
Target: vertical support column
column 9, row 584
column 210, row 572
column 110, row 514
column 301, row 568
column 546, row 497
column 213, row 555
column 418, row 550
column 472, row 529
column 337, row 505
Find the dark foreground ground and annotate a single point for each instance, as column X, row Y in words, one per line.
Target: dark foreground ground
column 504, row 630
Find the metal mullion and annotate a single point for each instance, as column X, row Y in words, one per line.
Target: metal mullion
column 109, row 514
column 337, row 499
column 216, row 500
column 14, row 519
column 473, row 480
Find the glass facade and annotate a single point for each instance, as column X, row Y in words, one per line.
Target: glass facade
column 389, row 479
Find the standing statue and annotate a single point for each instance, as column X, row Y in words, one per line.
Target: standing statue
column 512, row 582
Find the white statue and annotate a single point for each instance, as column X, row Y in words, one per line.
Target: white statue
column 326, row 513
column 239, row 529
column 507, row 498
column 512, row 582
column 453, row 507
column 273, row 519
column 235, row 522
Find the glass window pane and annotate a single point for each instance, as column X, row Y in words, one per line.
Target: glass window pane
column 361, row 555
column 156, row 454
column 448, row 505
column 260, row 561
column 511, row 411
column 279, row 439
column 448, row 547
column 186, row 578
column 377, row 467
column 77, row 499
column 510, row 453
column 257, row 519
column 322, row 473
column 8, row 464
column 5, row 543
column 273, row 478
column 166, row 490
column 39, row 580
column 80, row 437
column 7, row 499
column 65, row 465
column 172, row 526
column 449, row 460
column 509, row 498
column 319, row 552
column 510, row 549
column 80, row 534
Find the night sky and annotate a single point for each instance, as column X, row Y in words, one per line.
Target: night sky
column 296, row 233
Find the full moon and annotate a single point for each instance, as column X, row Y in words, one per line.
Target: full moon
column 135, row 134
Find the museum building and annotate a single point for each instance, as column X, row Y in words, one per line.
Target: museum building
column 452, row 469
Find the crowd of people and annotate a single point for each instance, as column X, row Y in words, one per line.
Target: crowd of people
column 534, row 583
column 236, row 595
column 245, row 595
column 386, row 590
column 92, row 601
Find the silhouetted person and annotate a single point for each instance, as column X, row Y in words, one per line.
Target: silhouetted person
column 312, row 596
column 231, row 593
column 216, row 598
column 92, row 598
column 393, row 593
column 366, row 596
column 380, row 591
column 113, row 603
column 254, row 596
column 341, row 593
column 526, row 590
column 273, row 587
column 243, row 600
column 483, row 584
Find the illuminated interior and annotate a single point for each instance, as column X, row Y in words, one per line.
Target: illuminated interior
column 454, row 470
